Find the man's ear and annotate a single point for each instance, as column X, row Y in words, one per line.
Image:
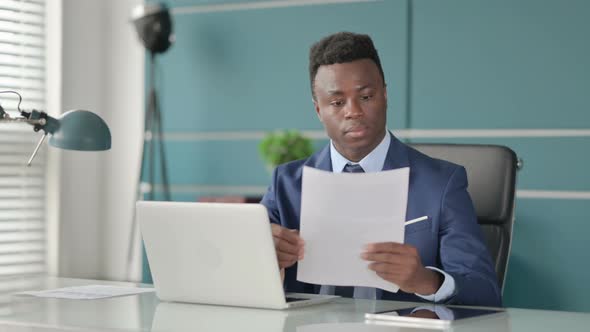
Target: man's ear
column 317, row 110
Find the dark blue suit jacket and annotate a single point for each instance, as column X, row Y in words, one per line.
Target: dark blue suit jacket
column 450, row 239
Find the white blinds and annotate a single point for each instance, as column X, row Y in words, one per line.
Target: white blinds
column 22, row 189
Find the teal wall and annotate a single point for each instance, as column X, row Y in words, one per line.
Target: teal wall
column 449, row 64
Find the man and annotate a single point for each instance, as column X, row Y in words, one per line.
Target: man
column 442, row 259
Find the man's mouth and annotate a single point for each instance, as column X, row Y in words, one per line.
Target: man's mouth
column 356, row 131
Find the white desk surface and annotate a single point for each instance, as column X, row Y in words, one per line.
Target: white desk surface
column 145, row 313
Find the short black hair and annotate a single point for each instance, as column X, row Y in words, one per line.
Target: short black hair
column 341, row 47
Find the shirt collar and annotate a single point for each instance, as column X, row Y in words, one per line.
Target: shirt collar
column 373, row 162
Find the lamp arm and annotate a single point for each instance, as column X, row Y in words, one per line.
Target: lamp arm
column 36, row 150
column 39, row 121
column 35, row 122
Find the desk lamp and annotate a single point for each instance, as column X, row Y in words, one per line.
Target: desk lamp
column 74, row 130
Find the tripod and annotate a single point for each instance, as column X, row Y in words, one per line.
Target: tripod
column 152, row 136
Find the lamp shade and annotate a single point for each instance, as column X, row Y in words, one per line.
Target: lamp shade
column 81, row 130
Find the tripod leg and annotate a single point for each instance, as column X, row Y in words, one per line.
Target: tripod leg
column 146, row 161
column 163, row 168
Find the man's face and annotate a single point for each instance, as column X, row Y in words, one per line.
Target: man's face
column 351, row 102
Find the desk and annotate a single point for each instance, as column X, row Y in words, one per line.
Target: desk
column 145, row 313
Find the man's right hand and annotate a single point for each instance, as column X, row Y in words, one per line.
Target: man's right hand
column 288, row 245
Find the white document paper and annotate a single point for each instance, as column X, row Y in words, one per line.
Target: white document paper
column 90, row 292
column 343, row 212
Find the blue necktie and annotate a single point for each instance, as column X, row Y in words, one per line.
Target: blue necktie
column 348, row 291
column 353, row 168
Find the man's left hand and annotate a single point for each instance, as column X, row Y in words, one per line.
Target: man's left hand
column 401, row 265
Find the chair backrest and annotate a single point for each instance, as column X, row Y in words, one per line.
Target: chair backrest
column 491, row 173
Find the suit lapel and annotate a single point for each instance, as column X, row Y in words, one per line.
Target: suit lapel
column 322, row 160
column 397, row 155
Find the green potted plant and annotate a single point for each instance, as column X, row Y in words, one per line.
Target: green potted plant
column 283, row 146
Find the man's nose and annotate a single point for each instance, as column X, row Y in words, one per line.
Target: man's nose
column 354, row 110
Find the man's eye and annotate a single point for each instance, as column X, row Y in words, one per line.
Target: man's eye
column 367, row 97
column 337, row 103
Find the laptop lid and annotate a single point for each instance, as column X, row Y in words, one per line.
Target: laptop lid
column 212, row 253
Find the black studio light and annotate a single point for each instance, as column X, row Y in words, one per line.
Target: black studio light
column 154, row 26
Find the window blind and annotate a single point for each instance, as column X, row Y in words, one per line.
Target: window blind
column 22, row 189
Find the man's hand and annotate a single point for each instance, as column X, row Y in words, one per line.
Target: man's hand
column 401, row 265
column 288, row 245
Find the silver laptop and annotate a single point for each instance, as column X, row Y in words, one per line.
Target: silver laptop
column 215, row 253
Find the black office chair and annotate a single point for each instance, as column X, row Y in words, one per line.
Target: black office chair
column 491, row 173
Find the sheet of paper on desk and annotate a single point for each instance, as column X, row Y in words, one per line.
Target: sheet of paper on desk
column 340, row 214
column 90, row 292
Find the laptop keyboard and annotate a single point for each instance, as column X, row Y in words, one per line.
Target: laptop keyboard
column 294, row 299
